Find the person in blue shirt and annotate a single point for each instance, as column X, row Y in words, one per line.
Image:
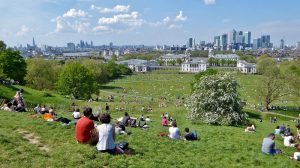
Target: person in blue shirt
column 268, row 145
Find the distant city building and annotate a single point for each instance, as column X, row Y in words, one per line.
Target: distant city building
column 246, row 67
column 172, row 57
column 266, row 41
column 256, row 44
column 33, row 42
column 136, row 65
column 282, row 46
column 111, row 45
column 71, row 46
column 247, row 38
column 224, row 42
column 298, row 45
column 190, row 43
column 240, row 39
column 232, row 37
column 217, row 42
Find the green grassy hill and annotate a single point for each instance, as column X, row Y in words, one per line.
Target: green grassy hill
column 219, row 146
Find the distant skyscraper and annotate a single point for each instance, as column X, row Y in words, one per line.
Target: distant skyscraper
column 224, row 41
column 33, row 42
column 92, row 44
column 266, row 41
column 190, row 43
column 217, row 41
column 71, row 46
column 247, row 36
column 232, row 37
column 256, row 44
column 240, row 39
column 111, row 45
column 282, row 44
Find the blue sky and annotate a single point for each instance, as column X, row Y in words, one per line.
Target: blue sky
column 150, row 22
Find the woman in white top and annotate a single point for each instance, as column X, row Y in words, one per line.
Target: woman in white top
column 174, row 132
column 76, row 114
column 106, row 131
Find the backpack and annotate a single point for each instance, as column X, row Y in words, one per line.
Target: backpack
column 123, row 145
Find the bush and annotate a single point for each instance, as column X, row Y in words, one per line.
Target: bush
column 215, row 100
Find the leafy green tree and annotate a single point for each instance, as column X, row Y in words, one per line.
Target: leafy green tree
column 42, row 74
column 125, row 70
column 13, row 65
column 223, row 62
column 274, row 84
column 114, row 57
column 113, row 70
column 99, row 70
column 172, row 62
column 179, row 61
column 160, row 62
column 77, row 80
column 215, row 100
column 2, row 46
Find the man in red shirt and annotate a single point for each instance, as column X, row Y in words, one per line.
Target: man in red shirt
column 85, row 129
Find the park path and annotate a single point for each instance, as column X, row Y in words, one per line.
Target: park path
column 283, row 115
column 126, row 94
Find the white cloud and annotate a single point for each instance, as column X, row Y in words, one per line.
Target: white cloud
column 73, row 13
column 180, row 17
column 72, row 21
column 133, row 20
column 115, row 9
column 209, row 2
column 23, row 31
column 166, row 20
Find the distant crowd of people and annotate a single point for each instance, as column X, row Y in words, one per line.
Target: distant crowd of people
column 9, row 82
column 16, row 104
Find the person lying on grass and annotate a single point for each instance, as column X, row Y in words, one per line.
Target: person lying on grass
column 174, row 132
column 268, row 145
column 7, row 106
column 85, row 130
column 289, row 140
column 106, row 142
column 250, row 128
column 190, row 136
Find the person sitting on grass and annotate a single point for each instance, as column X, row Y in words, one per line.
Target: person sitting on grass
column 44, row 109
column 190, row 136
column 106, row 142
column 296, row 155
column 164, row 122
column 126, row 119
column 174, row 132
column 277, row 131
column 288, row 130
column 37, row 109
column 289, row 140
column 250, row 128
column 76, row 115
column 268, row 145
column 282, row 129
column 85, row 130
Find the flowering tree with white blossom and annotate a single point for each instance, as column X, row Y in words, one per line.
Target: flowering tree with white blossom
column 215, row 100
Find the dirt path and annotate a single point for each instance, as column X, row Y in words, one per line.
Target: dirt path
column 33, row 140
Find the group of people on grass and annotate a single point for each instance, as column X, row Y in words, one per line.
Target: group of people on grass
column 17, row 104
column 289, row 140
column 174, row 132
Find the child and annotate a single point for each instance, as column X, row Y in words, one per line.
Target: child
column 164, row 121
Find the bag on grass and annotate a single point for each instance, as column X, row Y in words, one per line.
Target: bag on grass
column 123, row 145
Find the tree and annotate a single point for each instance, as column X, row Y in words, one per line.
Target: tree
column 13, row 65
column 160, row 62
column 98, row 69
column 215, row 100
column 172, row 62
column 199, row 75
column 42, row 74
column 77, row 80
column 114, row 57
column 274, row 85
column 2, row 46
column 179, row 61
column 113, row 70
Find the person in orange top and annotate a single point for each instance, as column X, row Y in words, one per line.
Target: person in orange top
column 85, row 130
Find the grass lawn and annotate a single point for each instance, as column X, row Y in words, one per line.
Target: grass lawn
column 219, row 146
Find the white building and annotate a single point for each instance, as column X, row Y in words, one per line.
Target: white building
column 172, row 57
column 232, row 57
column 136, row 65
column 245, row 67
column 194, row 66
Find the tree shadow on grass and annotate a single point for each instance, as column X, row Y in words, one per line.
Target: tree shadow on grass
column 110, row 87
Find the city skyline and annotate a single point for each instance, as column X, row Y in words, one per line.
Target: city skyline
column 142, row 22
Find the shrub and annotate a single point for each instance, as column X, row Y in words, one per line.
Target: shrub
column 215, row 100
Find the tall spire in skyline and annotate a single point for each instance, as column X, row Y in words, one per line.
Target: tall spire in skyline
column 33, row 42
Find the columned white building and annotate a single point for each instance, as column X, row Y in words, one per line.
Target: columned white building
column 245, row 67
